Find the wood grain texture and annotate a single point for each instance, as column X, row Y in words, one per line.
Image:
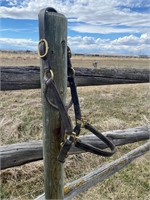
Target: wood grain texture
column 17, row 78
column 82, row 184
column 55, row 25
column 21, row 153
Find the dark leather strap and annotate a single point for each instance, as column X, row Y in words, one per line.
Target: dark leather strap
column 90, row 148
column 42, row 47
column 74, row 94
column 64, row 151
column 50, row 83
column 66, row 123
column 78, row 143
column 74, row 97
column 61, row 107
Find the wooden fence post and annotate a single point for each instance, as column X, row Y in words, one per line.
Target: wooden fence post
column 56, row 35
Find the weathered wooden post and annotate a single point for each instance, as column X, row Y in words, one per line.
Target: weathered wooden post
column 54, row 26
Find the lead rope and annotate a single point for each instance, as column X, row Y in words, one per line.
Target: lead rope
column 70, row 134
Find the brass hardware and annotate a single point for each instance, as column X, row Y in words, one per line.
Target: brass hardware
column 49, row 75
column 81, row 121
column 46, row 48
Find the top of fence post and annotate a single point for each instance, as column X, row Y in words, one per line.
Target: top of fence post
column 54, row 26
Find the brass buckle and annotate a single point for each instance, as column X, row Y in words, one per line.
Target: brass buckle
column 81, row 121
column 72, row 135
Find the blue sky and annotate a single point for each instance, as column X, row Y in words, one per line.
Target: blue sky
column 101, row 26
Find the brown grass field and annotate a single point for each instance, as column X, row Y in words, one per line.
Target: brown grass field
column 107, row 107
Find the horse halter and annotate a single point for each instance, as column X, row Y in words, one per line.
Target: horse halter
column 70, row 134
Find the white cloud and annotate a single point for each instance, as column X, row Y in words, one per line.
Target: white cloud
column 104, row 29
column 100, row 12
column 18, row 43
column 88, row 16
column 123, row 45
column 19, row 30
column 132, row 40
column 127, row 40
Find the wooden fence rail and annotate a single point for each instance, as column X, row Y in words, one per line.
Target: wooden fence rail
column 82, row 184
column 22, row 153
column 17, row 78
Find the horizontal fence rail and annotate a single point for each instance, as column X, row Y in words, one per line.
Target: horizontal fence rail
column 82, row 184
column 17, row 78
column 22, row 153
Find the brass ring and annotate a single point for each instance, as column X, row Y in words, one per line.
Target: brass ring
column 48, row 75
column 51, row 74
column 46, row 48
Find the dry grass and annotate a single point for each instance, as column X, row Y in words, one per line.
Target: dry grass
column 107, row 108
column 81, row 61
column 18, row 59
column 29, row 59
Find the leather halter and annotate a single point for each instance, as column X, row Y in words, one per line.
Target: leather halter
column 70, row 134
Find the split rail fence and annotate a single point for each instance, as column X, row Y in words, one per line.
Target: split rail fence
column 18, row 78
